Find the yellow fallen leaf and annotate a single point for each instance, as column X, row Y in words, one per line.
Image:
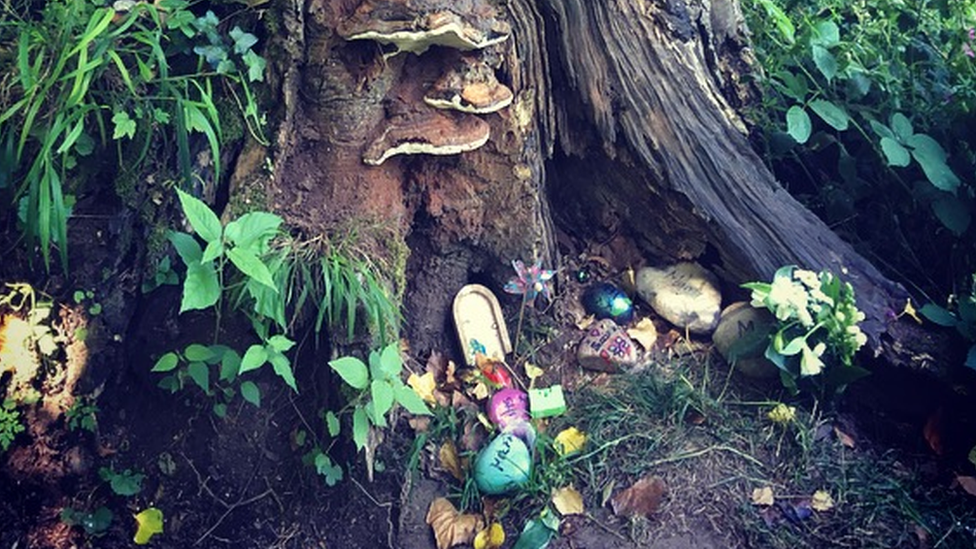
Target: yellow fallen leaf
column 149, row 522
column 450, row 460
column 763, row 496
column 479, row 391
column 568, row 501
column 585, row 322
column 450, row 527
column 424, row 386
column 782, row 414
column 822, row 501
column 910, row 311
column 644, row 332
column 532, row 371
column 569, row 441
column 490, row 538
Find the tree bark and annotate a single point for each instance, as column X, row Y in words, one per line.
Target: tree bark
column 623, row 120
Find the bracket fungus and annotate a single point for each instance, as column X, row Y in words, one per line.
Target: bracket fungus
column 469, row 86
column 416, row 25
column 427, row 132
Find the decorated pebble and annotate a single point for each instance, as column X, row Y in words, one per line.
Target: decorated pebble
column 606, row 347
column 508, row 406
column 505, row 464
column 685, row 294
column 604, row 300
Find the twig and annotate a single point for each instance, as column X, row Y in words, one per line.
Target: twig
column 389, row 511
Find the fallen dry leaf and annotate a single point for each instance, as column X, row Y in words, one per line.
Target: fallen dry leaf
column 474, row 436
column 568, row 501
column 532, row 371
column 968, row 484
column 644, row 332
column 450, row 527
column 910, row 311
column 569, row 441
column 821, row 501
column 420, row 424
column 607, row 492
column 585, row 322
column 933, row 432
column 480, row 391
column 844, row 438
column 450, row 461
column 643, row 498
column 492, row 537
column 763, row 496
column 424, row 386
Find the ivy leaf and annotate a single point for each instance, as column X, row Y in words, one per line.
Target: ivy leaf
column 352, row 370
column 836, row 117
column 166, row 363
column 149, row 522
column 251, row 393
column 200, row 375
column 124, row 126
column 895, row 153
column 798, row 124
column 255, row 66
column 201, row 289
column 243, row 41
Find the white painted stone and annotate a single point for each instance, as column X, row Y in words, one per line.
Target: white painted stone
column 685, row 294
column 606, row 347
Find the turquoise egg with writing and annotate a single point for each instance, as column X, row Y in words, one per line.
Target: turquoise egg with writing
column 505, row 464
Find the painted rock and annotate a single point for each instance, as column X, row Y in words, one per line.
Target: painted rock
column 604, row 300
column 742, row 336
column 685, row 294
column 508, row 406
column 606, row 347
column 505, row 464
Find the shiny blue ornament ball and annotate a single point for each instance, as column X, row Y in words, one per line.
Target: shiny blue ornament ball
column 604, row 300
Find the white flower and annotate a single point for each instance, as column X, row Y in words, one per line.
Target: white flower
column 810, row 363
column 808, row 278
column 819, row 348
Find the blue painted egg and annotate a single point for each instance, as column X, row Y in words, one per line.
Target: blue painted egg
column 505, row 464
column 604, row 300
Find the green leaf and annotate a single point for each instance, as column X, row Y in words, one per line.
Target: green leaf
column 213, row 250
column 825, row 61
column 895, row 153
column 352, row 370
column 882, row 130
column 953, row 213
column 250, row 265
column 186, row 246
column 255, row 66
column 410, row 400
column 360, row 427
column 203, row 220
column 794, row 347
column 938, row 315
column 329, row 470
column 826, row 34
column 932, row 158
column 834, row 116
column 201, row 289
column 390, row 361
column 230, row 365
column 902, row 127
column 780, row 19
column 252, row 231
column 166, row 363
column 798, row 124
column 200, row 374
column 198, row 353
column 282, row 367
column 123, row 126
column 149, row 522
column 251, row 393
column 280, row 343
column 125, row 483
column 382, row 392
column 332, row 423
column 220, row 409
column 243, row 41
column 794, row 85
column 254, row 358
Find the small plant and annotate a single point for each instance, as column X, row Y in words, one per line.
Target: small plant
column 123, row 483
column 377, row 389
column 961, row 315
column 94, row 522
column 196, row 363
column 818, row 333
column 163, row 276
column 93, row 307
column 82, row 415
column 10, row 424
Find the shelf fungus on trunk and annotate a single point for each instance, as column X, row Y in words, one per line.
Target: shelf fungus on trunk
column 416, row 25
column 427, row 132
column 469, row 86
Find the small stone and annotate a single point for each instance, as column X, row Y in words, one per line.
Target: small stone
column 505, row 464
column 685, row 294
column 742, row 336
column 606, row 347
